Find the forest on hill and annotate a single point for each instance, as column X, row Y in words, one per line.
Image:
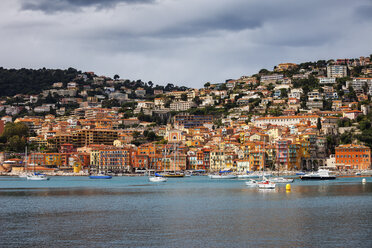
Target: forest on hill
column 30, row 81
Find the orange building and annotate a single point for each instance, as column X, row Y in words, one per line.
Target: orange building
column 353, row 157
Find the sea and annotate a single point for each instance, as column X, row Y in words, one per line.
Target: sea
column 183, row 212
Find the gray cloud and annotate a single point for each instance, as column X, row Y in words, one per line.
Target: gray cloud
column 180, row 41
column 51, row 6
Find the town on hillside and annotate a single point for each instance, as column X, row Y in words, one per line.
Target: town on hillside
column 295, row 117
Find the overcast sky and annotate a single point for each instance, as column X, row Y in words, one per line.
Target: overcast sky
column 185, row 42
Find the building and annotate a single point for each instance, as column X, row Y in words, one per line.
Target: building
column 286, row 120
column 286, row 66
column 336, row 71
column 182, row 105
column 353, row 157
column 85, row 137
column 327, row 80
column 190, row 121
column 115, row 160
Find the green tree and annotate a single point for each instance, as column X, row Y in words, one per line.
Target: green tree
column 184, row 97
column 16, row 143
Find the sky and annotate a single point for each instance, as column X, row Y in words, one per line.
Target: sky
column 184, row 42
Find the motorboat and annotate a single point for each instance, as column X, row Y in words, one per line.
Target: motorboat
column 266, row 184
column 300, row 173
column 321, row 174
column 156, row 179
column 222, row 176
column 251, row 183
column 37, row 177
column 281, row 180
column 100, row 176
column 173, row 175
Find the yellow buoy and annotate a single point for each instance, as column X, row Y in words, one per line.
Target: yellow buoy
column 288, row 187
column 364, row 180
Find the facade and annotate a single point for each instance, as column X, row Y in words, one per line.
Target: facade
column 85, row 137
column 285, row 120
column 182, row 105
column 353, row 157
column 336, row 71
column 190, row 121
column 115, row 160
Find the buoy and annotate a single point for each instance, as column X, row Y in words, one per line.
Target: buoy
column 288, row 187
column 364, row 180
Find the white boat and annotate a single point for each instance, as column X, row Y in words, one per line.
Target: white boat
column 247, row 176
column 23, row 175
column 321, row 174
column 251, row 183
column 266, row 185
column 37, row 177
column 157, row 179
column 281, row 180
column 221, row 176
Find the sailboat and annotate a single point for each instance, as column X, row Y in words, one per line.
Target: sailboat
column 222, row 174
column 265, row 183
column 35, row 176
column 157, row 178
column 24, row 173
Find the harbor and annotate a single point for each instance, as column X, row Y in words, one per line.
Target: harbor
column 184, row 212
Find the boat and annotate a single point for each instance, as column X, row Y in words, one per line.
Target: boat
column 321, row 174
column 251, row 183
column 281, row 180
column 300, row 173
column 37, row 177
column 100, row 176
column 157, row 178
column 266, row 184
column 222, row 176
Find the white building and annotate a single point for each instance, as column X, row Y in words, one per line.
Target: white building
column 182, row 105
column 327, row 80
column 285, row 120
column 336, row 71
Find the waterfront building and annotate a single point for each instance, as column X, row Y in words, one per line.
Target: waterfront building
column 353, row 157
column 115, row 160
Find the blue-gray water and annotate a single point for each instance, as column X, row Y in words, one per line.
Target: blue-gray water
column 185, row 212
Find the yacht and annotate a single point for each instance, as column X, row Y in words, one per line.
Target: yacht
column 37, row 177
column 321, row 174
column 281, row 180
column 251, row 183
column 222, row 176
column 266, row 184
column 157, row 178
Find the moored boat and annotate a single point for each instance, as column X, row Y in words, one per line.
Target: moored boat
column 222, row 176
column 100, row 176
column 321, row 174
column 251, row 183
column 37, row 177
column 266, row 184
column 281, row 180
column 157, row 179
